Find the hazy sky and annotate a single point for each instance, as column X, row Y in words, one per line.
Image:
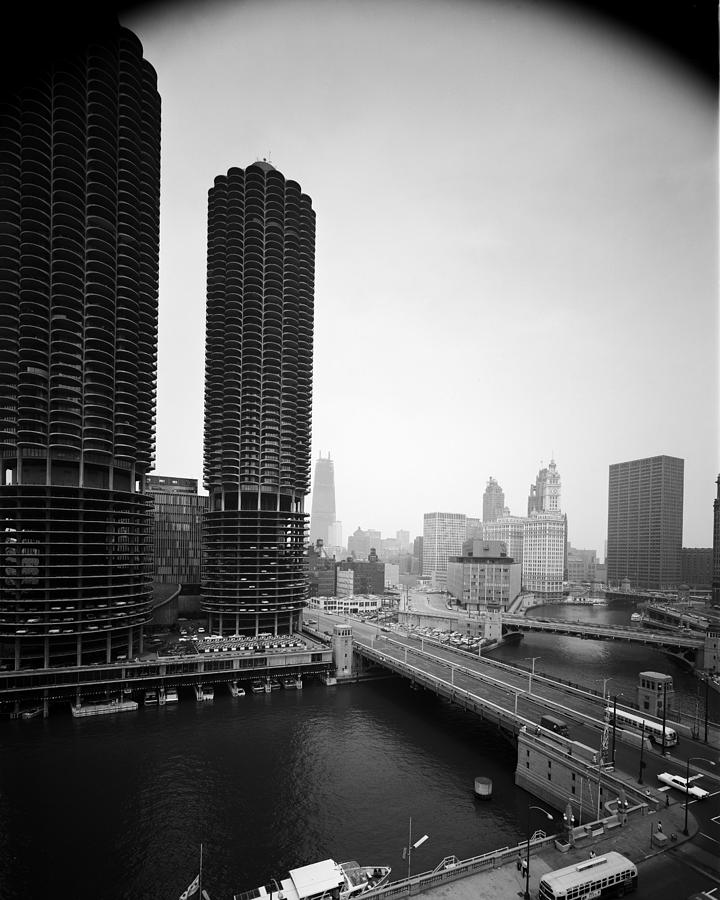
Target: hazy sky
column 516, row 243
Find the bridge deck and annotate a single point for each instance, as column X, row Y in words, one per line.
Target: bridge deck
column 602, row 632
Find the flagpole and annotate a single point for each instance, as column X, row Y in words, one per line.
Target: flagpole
column 200, row 875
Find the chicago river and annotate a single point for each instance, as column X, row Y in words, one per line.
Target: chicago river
column 116, row 807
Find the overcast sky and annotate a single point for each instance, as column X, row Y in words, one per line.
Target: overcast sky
column 516, row 243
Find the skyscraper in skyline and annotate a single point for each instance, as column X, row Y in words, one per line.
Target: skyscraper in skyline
column 493, row 501
column 443, row 537
column 645, row 519
column 258, row 396
column 544, row 554
column 322, row 514
column 78, row 346
column 545, row 493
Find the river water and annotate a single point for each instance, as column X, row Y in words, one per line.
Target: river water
column 589, row 662
column 116, row 807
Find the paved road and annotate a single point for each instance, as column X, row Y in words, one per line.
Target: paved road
column 688, row 867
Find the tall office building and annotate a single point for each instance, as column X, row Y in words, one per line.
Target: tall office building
column 645, row 518
column 510, row 530
column 443, row 537
column 258, row 398
column 493, row 501
column 79, row 205
column 544, row 555
column 178, row 512
column 360, row 543
column 322, row 513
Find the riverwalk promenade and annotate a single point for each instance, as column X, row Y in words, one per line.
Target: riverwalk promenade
column 633, row 840
column 648, row 830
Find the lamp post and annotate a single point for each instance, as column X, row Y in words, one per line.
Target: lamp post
column 664, row 715
column 642, row 749
column 604, row 681
column 412, row 846
column 527, row 858
column 687, row 785
column 532, row 673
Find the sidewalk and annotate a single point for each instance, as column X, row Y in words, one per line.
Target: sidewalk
column 632, row 840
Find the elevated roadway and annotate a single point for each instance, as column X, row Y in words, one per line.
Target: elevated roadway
column 500, row 693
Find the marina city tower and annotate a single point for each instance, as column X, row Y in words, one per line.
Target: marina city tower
column 79, row 207
column 258, row 401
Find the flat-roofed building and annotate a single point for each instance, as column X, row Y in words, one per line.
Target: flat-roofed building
column 483, row 577
column 443, row 537
column 178, row 512
column 510, row 530
column 645, row 520
column 696, row 564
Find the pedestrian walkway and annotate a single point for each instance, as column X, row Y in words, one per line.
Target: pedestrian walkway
column 642, row 837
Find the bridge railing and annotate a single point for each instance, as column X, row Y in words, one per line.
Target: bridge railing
column 426, row 880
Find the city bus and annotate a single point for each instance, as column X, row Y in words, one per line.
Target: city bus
column 611, row 875
column 653, row 729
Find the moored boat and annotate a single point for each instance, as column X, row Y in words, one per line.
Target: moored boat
column 151, row 698
column 171, row 695
column 102, row 708
column 323, row 879
column 257, row 687
column 292, row 684
column 204, row 693
column 235, row 690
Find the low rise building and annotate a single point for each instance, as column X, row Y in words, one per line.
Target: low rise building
column 368, row 576
column 321, row 571
column 484, row 577
column 346, row 606
column 696, row 567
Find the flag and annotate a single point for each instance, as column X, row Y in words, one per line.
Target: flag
column 192, row 888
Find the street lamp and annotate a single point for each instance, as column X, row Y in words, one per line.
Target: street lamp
column 687, row 785
column 412, row 846
column 532, row 673
column 527, row 858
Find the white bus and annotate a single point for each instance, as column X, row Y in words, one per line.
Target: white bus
column 653, row 729
column 611, row 875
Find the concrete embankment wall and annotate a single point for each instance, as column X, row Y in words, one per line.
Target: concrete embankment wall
column 550, row 774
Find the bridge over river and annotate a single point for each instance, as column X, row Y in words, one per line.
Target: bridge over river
column 688, row 647
column 501, row 694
